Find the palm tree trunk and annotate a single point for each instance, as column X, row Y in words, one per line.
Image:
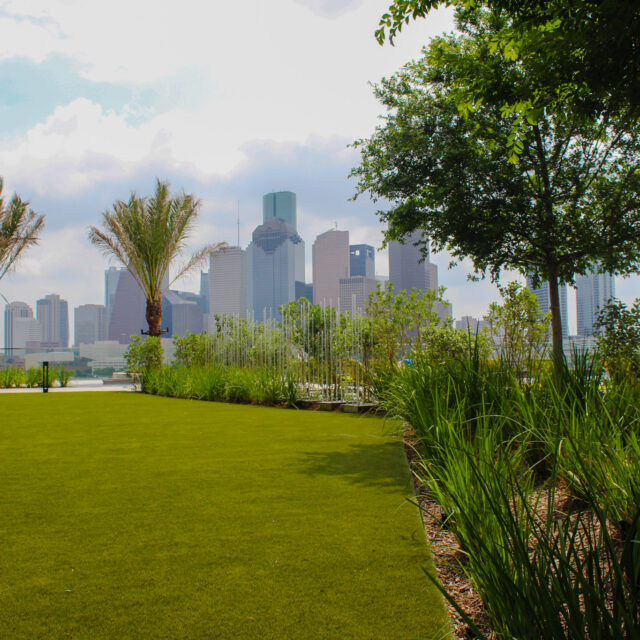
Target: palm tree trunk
column 154, row 316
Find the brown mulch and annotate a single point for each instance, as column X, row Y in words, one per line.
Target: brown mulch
column 447, row 557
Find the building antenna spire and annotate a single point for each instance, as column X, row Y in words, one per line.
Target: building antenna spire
column 238, row 223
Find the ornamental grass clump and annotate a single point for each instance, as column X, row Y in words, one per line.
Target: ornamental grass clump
column 222, row 384
column 543, row 572
column 11, row 377
column 537, row 478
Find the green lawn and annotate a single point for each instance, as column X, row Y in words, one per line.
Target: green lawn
column 130, row 516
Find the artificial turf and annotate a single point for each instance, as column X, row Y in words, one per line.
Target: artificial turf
column 130, row 516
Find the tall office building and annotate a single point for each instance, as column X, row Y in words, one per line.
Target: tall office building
column 542, row 293
column 128, row 315
column 354, row 293
column 228, row 282
column 52, row 313
column 204, row 292
column 20, row 326
column 330, row 255
column 282, row 205
column 409, row 267
column 304, row 290
column 111, row 277
column 593, row 292
column 181, row 313
column 275, row 261
column 90, row 324
column 362, row 260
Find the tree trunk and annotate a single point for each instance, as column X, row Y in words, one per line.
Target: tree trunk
column 556, row 318
column 154, row 316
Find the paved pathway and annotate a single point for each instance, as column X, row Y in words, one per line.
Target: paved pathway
column 78, row 385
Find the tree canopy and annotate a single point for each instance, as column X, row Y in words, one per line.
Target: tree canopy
column 586, row 52
column 146, row 235
column 543, row 190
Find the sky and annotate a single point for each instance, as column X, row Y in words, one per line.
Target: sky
column 227, row 101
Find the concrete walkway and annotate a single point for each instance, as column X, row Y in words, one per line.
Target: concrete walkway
column 78, row 385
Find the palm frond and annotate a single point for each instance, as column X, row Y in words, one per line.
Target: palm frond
column 197, row 259
column 147, row 234
column 20, row 228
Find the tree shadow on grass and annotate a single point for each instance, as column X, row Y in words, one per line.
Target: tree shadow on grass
column 367, row 465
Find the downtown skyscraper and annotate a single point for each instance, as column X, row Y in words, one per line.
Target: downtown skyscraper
column 409, row 267
column 330, row 265
column 275, row 257
column 593, row 291
column 227, row 282
column 20, row 327
column 52, row 313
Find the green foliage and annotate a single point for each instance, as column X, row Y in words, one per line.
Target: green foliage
column 546, row 193
column 401, row 322
column 11, row 377
column 518, row 329
column 143, row 355
column 265, row 386
column 146, row 235
column 495, row 449
column 62, row 375
column 19, row 229
column 192, row 349
column 619, row 339
column 561, row 43
column 34, row 377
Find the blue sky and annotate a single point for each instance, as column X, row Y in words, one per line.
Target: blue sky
column 226, row 100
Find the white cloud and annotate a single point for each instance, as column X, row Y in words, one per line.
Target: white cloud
column 331, row 8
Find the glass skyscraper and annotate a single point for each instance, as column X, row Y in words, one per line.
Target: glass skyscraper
column 362, row 260
column 282, row 205
column 593, row 292
column 275, row 261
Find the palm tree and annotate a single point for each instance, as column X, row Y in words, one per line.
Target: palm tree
column 146, row 235
column 19, row 229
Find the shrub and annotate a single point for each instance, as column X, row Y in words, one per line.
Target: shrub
column 34, row 377
column 11, row 377
column 143, row 355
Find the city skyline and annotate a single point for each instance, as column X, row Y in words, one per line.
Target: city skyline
column 235, row 284
column 84, row 125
